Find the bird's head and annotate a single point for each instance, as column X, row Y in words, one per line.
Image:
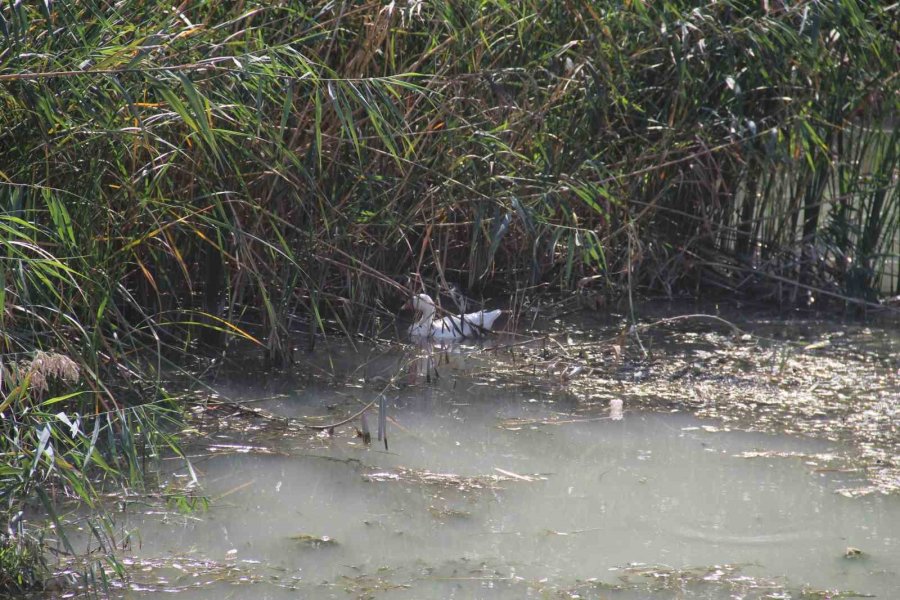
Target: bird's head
column 420, row 303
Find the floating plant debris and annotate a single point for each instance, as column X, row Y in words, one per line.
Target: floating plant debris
column 451, row 480
column 314, row 541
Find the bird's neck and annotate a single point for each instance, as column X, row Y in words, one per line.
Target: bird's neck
column 427, row 315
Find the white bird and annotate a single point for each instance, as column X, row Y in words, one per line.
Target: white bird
column 448, row 328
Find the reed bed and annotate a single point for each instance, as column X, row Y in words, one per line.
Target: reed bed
column 172, row 177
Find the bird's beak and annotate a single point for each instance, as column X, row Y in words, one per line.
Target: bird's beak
column 407, row 306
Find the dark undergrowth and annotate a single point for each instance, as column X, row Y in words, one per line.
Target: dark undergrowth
column 173, row 177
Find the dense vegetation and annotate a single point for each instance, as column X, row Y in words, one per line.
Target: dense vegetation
column 171, row 176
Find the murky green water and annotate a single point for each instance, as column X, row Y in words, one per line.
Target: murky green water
column 759, row 463
column 492, row 491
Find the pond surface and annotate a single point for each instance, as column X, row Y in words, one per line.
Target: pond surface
column 500, row 489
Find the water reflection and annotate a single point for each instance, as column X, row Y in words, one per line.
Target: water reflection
column 432, row 357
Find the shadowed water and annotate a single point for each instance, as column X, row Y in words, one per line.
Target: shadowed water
column 494, row 493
